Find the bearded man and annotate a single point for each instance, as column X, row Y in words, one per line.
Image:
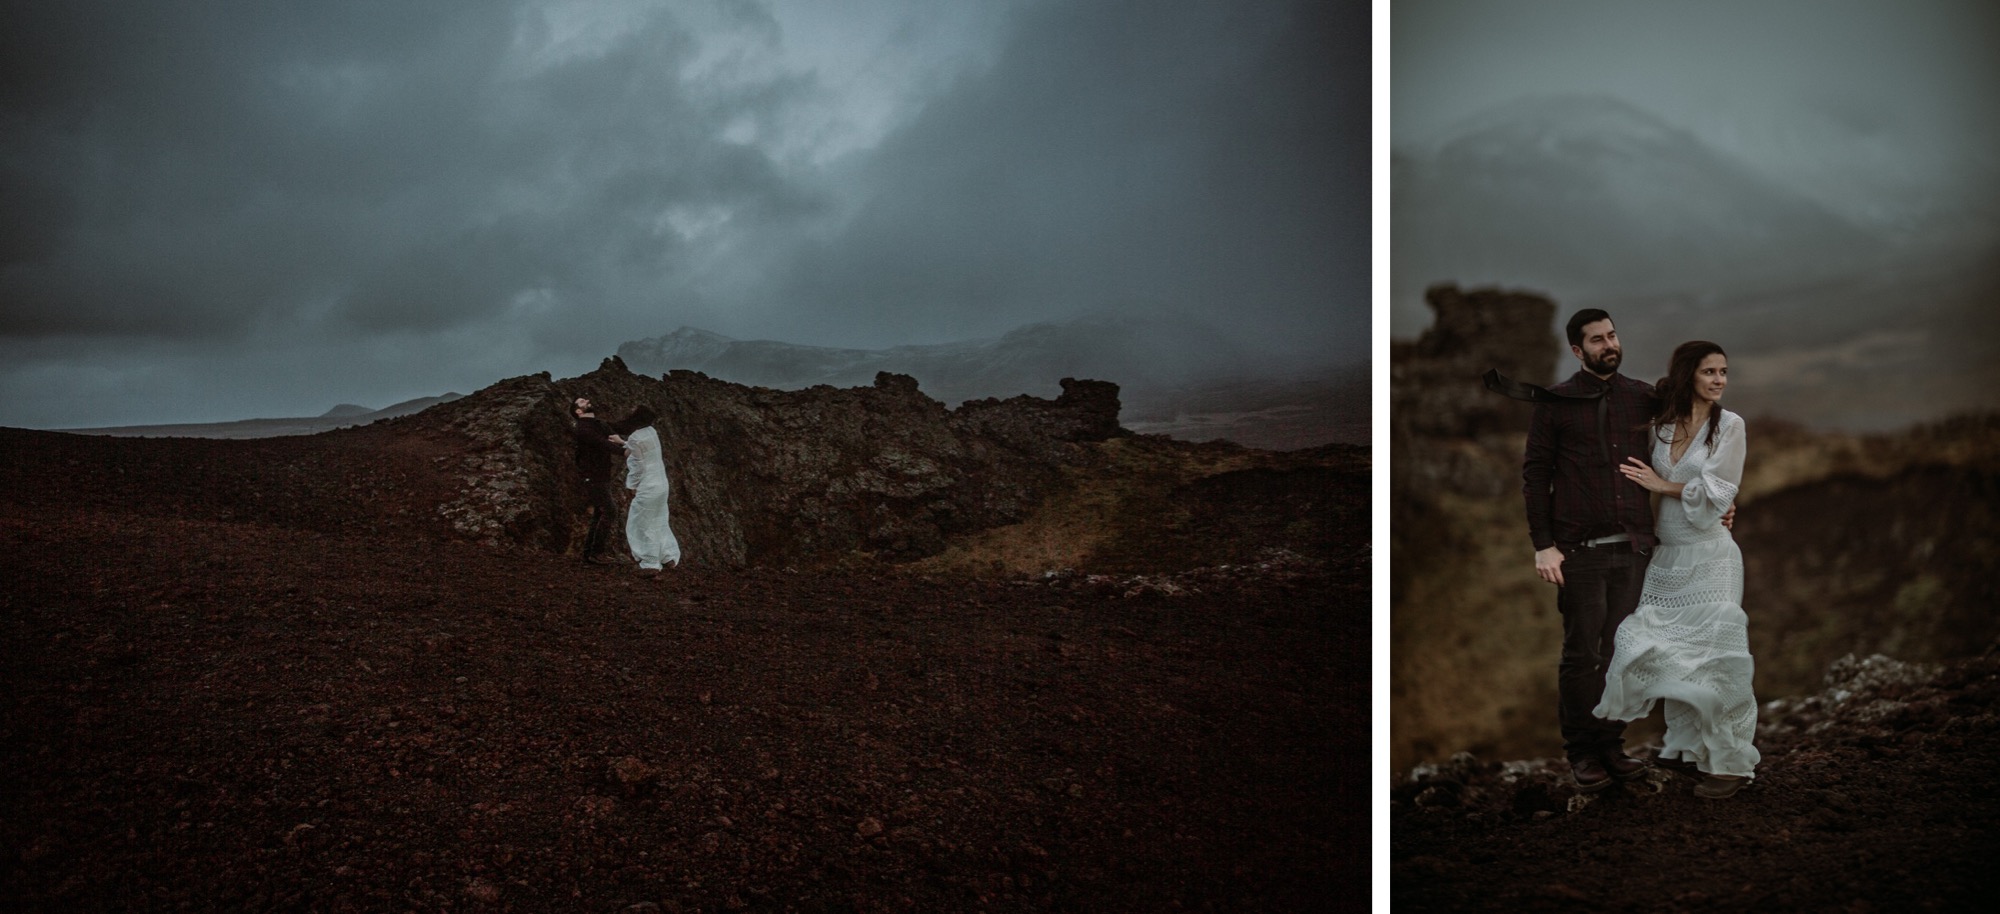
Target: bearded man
column 598, row 451
column 1592, row 530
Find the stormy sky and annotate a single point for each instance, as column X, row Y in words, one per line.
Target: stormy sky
column 222, row 210
column 1881, row 112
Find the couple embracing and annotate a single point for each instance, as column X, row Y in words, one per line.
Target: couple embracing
column 598, row 445
column 1630, row 494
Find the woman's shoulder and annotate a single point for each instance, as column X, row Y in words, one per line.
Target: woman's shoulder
column 1731, row 425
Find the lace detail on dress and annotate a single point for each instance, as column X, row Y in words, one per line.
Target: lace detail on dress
column 1706, row 582
column 1721, row 490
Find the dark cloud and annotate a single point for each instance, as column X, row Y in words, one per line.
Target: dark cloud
column 1205, row 158
column 185, row 170
column 197, row 194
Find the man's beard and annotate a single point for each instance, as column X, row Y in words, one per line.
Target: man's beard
column 1605, row 363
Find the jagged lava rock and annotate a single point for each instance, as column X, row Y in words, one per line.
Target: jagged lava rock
column 773, row 477
column 1435, row 381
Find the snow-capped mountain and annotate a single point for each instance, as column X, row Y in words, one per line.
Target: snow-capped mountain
column 1828, row 319
column 1587, row 196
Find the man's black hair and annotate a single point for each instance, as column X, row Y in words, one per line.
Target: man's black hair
column 1579, row 319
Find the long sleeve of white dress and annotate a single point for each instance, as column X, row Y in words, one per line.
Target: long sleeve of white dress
column 1708, row 495
column 635, row 464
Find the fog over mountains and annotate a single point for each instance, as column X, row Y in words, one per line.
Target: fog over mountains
column 1606, row 199
column 1830, row 318
column 1176, row 375
column 341, row 416
column 1138, row 355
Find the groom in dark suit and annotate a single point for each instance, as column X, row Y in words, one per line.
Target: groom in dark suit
column 597, row 452
column 1593, row 530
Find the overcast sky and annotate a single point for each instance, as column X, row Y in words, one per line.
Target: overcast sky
column 220, row 210
column 1882, row 111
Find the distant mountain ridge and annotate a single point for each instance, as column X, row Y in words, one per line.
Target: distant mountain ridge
column 1175, row 378
column 1583, row 195
column 1136, row 354
column 342, row 416
column 1593, row 202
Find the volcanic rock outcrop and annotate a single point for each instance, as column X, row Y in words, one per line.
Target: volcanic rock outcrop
column 1434, row 381
column 767, row 476
column 1445, row 428
column 761, row 477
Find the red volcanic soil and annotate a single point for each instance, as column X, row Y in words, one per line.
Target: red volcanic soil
column 325, row 703
column 1877, row 795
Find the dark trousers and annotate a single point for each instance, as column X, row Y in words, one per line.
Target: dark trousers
column 603, row 508
column 1601, row 586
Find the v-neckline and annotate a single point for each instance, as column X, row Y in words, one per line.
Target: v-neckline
column 1674, row 460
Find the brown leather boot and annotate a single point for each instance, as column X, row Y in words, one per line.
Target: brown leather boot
column 1588, row 774
column 1623, row 767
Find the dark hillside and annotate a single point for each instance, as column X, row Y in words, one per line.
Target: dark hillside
column 1004, row 658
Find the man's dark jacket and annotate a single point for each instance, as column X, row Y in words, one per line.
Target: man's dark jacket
column 595, row 452
column 1570, row 475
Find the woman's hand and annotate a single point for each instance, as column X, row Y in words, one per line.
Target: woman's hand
column 1637, row 471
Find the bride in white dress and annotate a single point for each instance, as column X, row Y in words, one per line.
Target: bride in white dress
column 646, row 529
column 1688, row 642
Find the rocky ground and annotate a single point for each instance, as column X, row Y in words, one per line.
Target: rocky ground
column 1877, row 794
column 266, row 675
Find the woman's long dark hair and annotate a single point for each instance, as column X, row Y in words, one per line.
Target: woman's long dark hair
column 1676, row 390
column 640, row 418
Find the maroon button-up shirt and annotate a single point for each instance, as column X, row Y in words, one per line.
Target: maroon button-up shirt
column 1570, row 475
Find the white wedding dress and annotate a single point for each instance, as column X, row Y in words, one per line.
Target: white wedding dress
column 1688, row 643
column 646, row 529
